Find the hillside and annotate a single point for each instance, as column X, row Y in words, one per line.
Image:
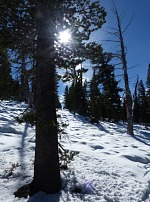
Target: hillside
column 111, row 166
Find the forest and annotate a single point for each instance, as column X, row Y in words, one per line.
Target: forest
column 31, row 56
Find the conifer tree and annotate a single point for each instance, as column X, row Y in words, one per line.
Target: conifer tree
column 136, row 103
column 24, row 82
column 106, row 84
column 142, row 102
column 17, row 33
column 80, row 93
column 75, row 96
column 148, row 95
column 58, row 104
column 66, row 98
column 37, row 24
column 6, row 80
column 84, row 100
column 110, row 89
column 95, row 106
column 123, row 110
column 148, row 81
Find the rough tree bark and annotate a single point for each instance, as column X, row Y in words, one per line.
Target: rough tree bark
column 46, row 166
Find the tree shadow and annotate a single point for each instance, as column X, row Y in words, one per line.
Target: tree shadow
column 22, row 150
column 23, row 177
column 86, row 121
column 144, row 137
column 102, row 128
column 43, row 197
column 80, row 118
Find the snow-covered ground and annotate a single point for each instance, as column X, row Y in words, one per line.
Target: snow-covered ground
column 111, row 166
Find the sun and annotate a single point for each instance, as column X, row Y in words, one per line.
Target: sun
column 64, row 36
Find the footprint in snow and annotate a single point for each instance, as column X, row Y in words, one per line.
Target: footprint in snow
column 97, row 147
column 6, row 150
column 134, row 146
column 139, row 159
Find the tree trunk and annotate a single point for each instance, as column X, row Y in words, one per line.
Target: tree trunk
column 24, row 86
column 46, row 166
column 126, row 82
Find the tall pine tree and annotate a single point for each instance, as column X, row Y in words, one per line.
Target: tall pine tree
column 148, row 81
column 6, row 80
column 37, row 24
column 142, row 102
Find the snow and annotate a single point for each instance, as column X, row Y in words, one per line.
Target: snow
column 111, row 165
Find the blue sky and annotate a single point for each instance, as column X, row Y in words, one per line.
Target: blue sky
column 136, row 37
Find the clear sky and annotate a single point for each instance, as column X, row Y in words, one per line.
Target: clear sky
column 136, row 37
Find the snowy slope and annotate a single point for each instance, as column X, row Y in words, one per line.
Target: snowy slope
column 111, row 165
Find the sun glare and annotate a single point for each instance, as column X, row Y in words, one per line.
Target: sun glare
column 64, row 36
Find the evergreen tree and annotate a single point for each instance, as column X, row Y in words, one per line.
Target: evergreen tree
column 24, row 83
column 106, row 84
column 6, row 80
column 95, row 106
column 110, row 89
column 17, row 32
column 148, row 95
column 142, row 102
column 148, row 81
column 80, row 93
column 123, row 111
column 36, row 25
column 136, row 103
column 75, row 96
column 66, row 98
column 58, row 104
column 84, row 101
column 16, row 89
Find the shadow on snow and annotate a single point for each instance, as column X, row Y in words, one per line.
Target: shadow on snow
column 144, row 137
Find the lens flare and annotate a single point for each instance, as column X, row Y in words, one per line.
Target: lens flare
column 64, row 36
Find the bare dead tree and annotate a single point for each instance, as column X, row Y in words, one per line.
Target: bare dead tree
column 119, row 33
column 121, row 55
